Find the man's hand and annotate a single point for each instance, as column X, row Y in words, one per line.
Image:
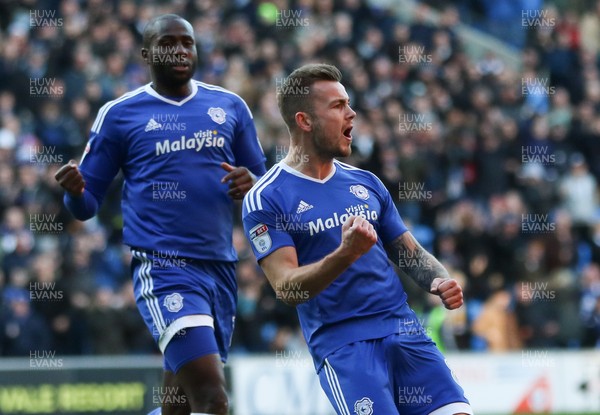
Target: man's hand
column 283, row 272
column 358, row 236
column 240, row 178
column 449, row 291
column 69, row 178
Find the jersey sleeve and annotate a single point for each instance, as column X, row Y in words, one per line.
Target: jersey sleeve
column 103, row 155
column 247, row 149
column 391, row 225
column 265, row 237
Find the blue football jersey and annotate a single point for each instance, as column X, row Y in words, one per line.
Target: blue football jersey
column 288, row 208
column 170, row 154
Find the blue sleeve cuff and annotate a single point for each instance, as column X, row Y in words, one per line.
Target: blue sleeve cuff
column 83, row 207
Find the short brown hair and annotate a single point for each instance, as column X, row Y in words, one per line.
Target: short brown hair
column 294, row 95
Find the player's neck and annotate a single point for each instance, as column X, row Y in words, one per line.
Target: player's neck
column 174, row 92
column 309, row 164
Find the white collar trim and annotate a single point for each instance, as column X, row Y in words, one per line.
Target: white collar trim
column 295, row 172
column 151, row 91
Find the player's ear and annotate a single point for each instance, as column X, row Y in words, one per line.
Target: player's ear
column 304, row 121
column 145, row 55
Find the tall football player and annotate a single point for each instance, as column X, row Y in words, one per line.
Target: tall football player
column 176, row 140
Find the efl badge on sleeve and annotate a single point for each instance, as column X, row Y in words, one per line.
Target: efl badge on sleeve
column 259, row 235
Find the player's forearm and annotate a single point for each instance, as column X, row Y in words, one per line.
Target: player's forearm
column 416, row 262
column 301, row 284
column 424, row 275
column 81, row 207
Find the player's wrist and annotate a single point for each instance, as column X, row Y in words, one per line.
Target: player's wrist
column 436, row 282
column 346, row 254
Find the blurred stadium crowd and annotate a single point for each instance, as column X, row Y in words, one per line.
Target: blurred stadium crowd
column 495, row 170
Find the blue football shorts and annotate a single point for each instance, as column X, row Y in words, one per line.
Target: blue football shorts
column 403, row 373
column 175, row 294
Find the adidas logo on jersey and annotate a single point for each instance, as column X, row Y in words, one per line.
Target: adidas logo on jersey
column 303, row 207
column 152, row 125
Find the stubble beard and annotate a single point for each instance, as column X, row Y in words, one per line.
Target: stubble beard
column 324, row 149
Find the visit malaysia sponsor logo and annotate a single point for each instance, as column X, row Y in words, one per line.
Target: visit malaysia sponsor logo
column 200, row 140
column 362, row 210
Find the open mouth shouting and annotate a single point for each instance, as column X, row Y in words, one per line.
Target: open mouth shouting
column 347, row 133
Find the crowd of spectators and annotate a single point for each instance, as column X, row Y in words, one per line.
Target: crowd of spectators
column 494, row 169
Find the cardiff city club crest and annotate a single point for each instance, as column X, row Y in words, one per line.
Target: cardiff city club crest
column 173, row 302
column 363, row 406
column 217, row 114
column 359, row 191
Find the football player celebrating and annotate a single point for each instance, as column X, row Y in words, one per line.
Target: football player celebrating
column 176, row 140
column 319, row 229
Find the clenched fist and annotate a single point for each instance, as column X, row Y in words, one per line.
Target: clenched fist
column 69, row 178
column 358, row 236
column 449, row 291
